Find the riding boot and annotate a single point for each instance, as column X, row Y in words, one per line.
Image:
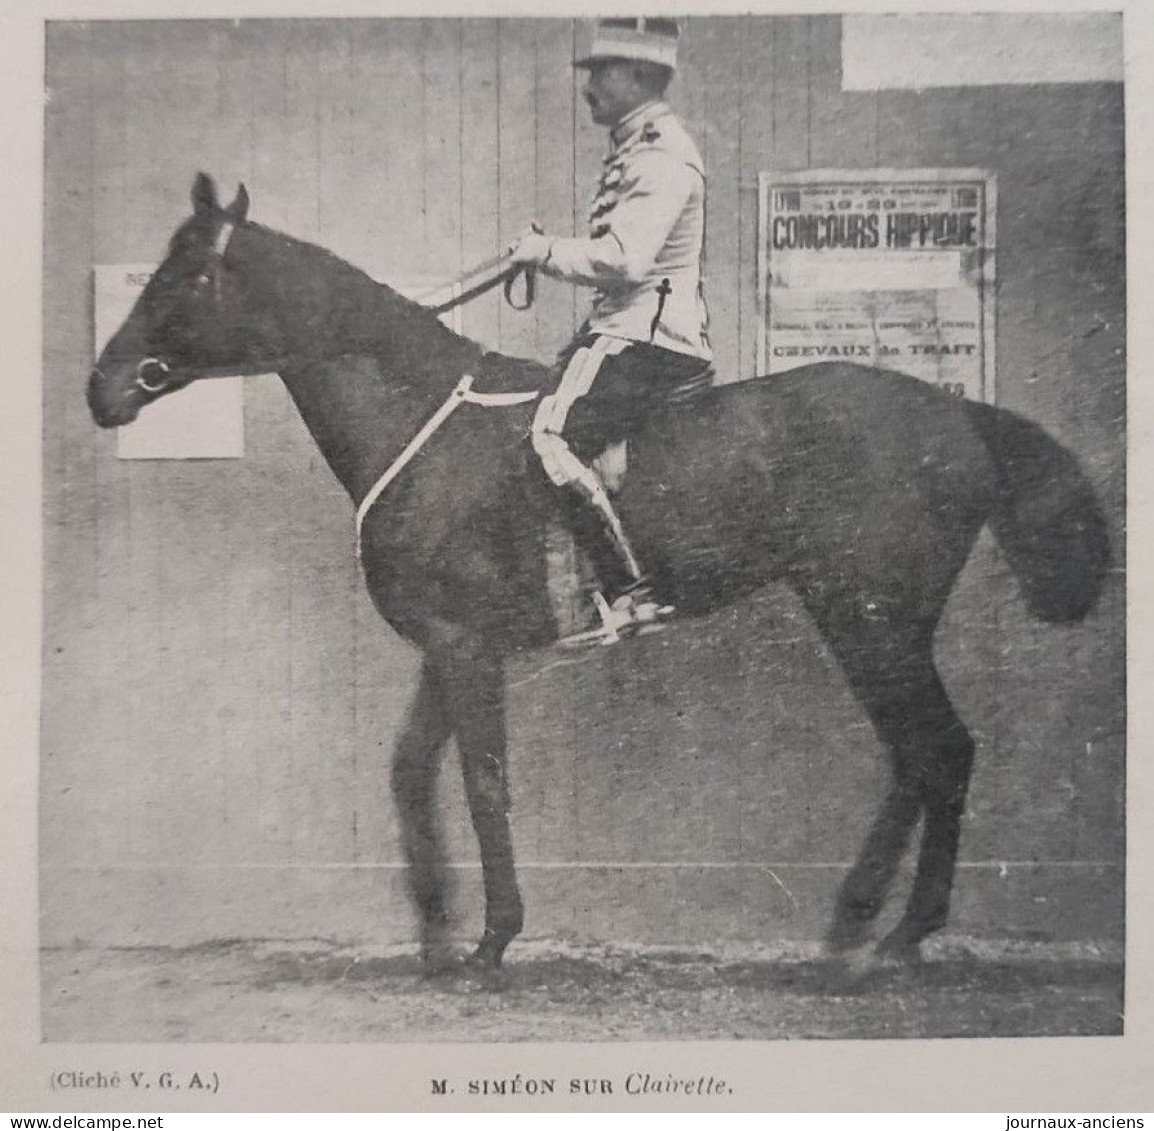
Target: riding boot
column 614, row 534
column 634, row 607
column 604, row 567
column 631, row 608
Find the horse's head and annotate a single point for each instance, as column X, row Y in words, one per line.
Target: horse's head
column 196, row 314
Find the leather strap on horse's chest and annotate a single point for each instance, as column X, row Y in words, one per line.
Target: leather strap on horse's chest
column 463, row 392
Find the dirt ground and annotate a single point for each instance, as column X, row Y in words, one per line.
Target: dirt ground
column 318, row 991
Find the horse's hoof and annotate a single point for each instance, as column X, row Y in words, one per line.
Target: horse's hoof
column 485, row 957
column 484, row 972
column 851, row 967
column 443, row 966
column 846, row 937
column 490, row 950
column 486, row 979
column 439, row 957
column 899, row 949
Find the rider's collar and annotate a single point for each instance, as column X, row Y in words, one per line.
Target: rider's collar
column 635, row 119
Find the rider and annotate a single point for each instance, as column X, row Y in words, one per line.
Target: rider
column 646, row 334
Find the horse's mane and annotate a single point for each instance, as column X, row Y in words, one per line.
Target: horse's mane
column 365, row 315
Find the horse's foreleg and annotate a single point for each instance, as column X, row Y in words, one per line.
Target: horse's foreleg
column 474, row 689
column 416, row 760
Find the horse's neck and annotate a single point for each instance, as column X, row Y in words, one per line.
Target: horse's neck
column 359, row 421
column 365, row 367
column 326, row 308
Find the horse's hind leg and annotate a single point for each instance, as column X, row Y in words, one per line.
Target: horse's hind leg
column 944, row 773
column 867, row 884
column 931, row 755
column 864, row 889
column 416, row 760
column 888, row 663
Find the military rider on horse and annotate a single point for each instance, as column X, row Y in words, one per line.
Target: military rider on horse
column 645, row 338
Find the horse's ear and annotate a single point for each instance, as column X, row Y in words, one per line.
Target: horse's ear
column 238, row 209
column 204, row 195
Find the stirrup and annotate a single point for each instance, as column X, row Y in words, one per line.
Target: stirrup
column 626, row 617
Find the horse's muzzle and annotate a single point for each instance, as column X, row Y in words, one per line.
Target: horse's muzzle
column 110, row 404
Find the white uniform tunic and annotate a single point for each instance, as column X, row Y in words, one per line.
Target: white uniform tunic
column 647, row 232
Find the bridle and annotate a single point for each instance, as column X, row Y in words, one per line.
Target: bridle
column 146, row 380
column 209, row 277
column 142, row 368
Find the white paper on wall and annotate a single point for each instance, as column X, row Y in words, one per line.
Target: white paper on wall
column 917, row 51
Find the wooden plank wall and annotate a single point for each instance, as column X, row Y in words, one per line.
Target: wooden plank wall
column 219, row 697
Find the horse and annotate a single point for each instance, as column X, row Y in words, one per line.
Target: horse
column 864, row 490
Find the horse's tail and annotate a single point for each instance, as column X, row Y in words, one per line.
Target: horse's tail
column 1047, row 518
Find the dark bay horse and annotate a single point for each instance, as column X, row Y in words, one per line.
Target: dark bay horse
column 863, row 490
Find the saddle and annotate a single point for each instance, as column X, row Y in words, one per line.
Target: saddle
column 612, row 463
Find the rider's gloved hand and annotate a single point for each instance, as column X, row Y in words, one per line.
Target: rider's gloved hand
column 532, row 247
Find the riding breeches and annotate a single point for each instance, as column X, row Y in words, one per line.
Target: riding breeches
column 607, row 388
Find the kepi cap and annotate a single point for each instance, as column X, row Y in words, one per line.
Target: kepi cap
column 650, row 39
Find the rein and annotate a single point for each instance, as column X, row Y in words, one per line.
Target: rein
column 488, row 275
column 479, row 280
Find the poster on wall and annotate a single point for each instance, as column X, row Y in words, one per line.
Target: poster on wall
column 891, row 268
